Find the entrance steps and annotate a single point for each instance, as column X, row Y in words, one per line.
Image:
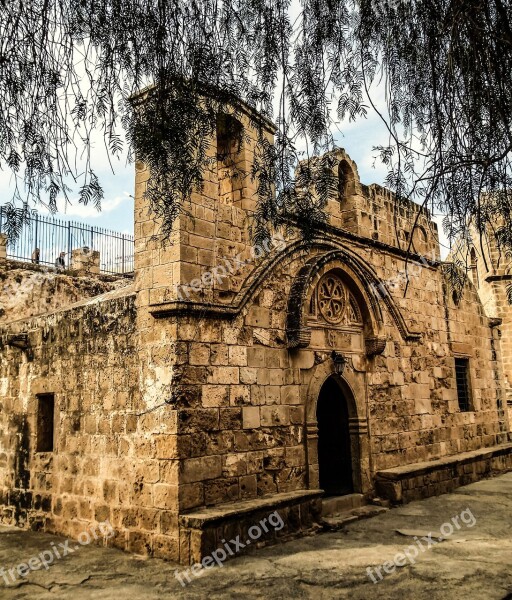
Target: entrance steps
column 338, row 511
column 334, row 505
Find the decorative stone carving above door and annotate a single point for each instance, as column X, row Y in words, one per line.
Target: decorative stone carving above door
column 331, row 298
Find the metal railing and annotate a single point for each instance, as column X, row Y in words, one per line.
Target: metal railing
column 53, row 236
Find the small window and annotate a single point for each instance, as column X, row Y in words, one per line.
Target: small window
column 45, row 427
column 346, row 180
column 463, row 383
column 474, row 268
column 230, row 138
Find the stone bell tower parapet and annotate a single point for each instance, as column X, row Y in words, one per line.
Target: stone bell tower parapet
column 211, row 236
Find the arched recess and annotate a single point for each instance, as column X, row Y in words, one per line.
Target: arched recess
column 353, row 388
column 230, row 158
column 362, row 283
column 346, row 180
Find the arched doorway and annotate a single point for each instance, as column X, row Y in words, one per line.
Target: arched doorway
column 334, row 444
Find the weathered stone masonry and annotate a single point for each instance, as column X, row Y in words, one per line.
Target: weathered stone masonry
column 490, row 271
column 184, row 420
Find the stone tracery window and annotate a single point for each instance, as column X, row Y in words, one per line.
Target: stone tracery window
column 353, row 312
column 332, row 298
column 331, row 301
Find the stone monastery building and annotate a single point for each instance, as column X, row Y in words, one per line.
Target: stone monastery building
column 227, row 382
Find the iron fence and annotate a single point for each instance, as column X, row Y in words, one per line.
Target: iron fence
column 53, row 236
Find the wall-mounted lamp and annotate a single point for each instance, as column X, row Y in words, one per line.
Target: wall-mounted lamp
column 340, row 362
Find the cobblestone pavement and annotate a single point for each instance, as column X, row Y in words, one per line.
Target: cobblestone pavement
column 474, row 562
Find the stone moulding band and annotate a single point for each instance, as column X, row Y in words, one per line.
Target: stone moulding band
column 298, row 334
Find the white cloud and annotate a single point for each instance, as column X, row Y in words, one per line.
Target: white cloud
column 75, row 209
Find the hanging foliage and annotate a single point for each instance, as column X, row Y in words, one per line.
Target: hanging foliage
column 68, row 69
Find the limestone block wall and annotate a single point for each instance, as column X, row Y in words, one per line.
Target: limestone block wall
column 412, row 389
column 27, row 290
column 245, row 412
column 245, row 404
column 211, row 236
column 106, row 462
column 400, row 224
column 490, row 272
column 373, row 212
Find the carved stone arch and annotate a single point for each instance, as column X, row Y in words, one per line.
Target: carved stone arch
column 371, row 315
column 346, row 180
column 304, row 286
column 375, row 289
column 346, row 171
column 349, row 382
column 368, row 289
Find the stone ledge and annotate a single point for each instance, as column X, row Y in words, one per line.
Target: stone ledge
column 205, row 531
column 422, row 480
column 424, row 468
column 229, row 511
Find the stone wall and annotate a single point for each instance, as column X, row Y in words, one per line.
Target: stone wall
column 247, row 398
column 27, row 290
column 104, row 464
column 490, row 271
column 251, row 356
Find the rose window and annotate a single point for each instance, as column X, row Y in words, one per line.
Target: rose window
column 332, row 299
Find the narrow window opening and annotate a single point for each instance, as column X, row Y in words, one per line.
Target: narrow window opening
column 463, row 383
column 230, row 158
column 474, row 268
column 312, row 305
column 346, row 180
column 45, row 425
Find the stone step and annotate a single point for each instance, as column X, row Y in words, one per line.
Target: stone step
column 335, row 522
column 338, row 504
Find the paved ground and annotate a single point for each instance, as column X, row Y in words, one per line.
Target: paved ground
column 474, row 562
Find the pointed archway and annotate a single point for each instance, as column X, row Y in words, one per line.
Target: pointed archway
column 334, row 442
column 352, row 391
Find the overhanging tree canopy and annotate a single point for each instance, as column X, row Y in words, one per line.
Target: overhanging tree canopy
column 69, row 67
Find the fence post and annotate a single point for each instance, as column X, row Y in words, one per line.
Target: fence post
column 3, row 247
column 123, row 255
column 3, row 238
column 69, row 244
column 36, row 233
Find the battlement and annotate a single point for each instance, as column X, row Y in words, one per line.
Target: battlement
column 374, row 212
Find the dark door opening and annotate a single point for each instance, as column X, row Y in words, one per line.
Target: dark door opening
column 334, row 450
